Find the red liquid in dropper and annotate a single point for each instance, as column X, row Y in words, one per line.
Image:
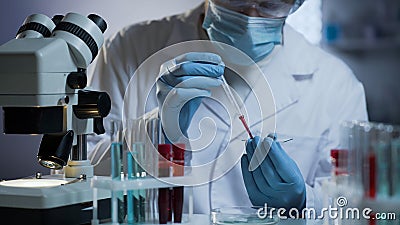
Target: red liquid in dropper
column 241, row 117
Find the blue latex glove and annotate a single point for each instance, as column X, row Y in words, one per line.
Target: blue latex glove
column 184, row 81
column 277, row 181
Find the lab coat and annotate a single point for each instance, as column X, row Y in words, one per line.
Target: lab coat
column 313, row 93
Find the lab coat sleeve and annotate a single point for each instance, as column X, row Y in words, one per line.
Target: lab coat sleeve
column 346, row 103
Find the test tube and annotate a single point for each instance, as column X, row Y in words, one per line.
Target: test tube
column 345, row 147
column 363, row 159
column 135, row 130
column 357, row 164
column 136, row 198
column 130, row 175
column 131, row 193
column 178, row 159
column 117, row 207
column 164, row 170
column 232, row 99
column 153, row 126
column 382, row 151
column 395, row 149
column 340, row 155
column 368, row 136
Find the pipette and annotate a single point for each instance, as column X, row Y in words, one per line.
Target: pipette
column 232, row 99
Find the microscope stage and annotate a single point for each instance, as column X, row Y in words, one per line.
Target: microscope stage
column 28, row 201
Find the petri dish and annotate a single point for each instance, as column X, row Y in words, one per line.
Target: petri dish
column 243, row 216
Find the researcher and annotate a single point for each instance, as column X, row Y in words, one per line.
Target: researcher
column 313, row 93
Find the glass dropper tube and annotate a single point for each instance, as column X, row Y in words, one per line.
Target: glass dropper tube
column 232, row 99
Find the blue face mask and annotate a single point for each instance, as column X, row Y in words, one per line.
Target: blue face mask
column 255, row 36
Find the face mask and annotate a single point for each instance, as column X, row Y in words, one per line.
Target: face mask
column 255, row 36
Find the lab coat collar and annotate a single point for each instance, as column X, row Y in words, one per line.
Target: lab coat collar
column 289, row 66
column 293, row 51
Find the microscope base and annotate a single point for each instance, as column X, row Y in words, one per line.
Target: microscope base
column 66, row 204
column 66, row 215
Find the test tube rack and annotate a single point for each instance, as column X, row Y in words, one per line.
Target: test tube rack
column 365, row 170
column 106, row 183
column 335, row 192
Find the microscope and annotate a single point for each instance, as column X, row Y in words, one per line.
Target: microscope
column 43, row 87
column 43, row 90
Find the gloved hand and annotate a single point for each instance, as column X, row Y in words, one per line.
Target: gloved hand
column 277, row 181
column 184, row 81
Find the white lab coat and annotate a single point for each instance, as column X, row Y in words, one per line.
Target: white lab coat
column 313, row 91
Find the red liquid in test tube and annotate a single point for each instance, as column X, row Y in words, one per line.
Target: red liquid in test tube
column 178, row 158
column 372, row 175
column 164, row 201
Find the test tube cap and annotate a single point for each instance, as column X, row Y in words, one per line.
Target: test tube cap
column 165, row 150
column 178, row 151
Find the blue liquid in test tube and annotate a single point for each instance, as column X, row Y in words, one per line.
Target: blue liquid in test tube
column 396, row 167
column 116, row 174
column 131, row 194
column 136, row 198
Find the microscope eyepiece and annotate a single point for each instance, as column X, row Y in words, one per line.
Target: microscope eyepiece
column 57, row 19
column 36, row 26
column 84, row 36
column 100, row 22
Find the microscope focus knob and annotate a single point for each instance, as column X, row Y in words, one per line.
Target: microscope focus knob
column 77, row 80
column 92, row 104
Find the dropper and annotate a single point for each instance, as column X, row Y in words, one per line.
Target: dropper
column 232, row 99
